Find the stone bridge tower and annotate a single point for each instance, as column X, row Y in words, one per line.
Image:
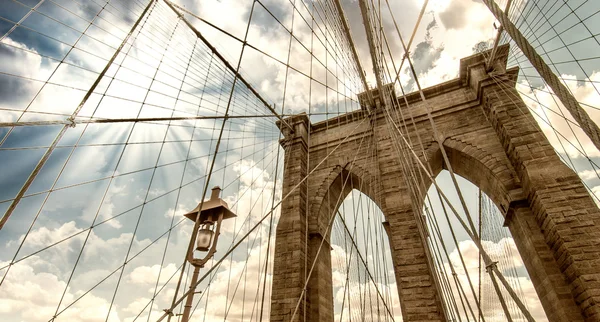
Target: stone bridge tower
column 492, row 141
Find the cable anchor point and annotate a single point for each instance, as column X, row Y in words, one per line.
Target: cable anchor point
column 71, row 122
column 491, row 266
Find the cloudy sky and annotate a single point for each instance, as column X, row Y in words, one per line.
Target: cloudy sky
column 99, row 234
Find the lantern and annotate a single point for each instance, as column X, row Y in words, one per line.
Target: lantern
column 209, row 218
column 204, row 238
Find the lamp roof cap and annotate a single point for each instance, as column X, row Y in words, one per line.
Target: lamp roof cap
column 215, row 203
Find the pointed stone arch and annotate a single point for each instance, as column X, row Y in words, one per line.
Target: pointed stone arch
column 498, row 180
column 325, row 202
column 337, row 185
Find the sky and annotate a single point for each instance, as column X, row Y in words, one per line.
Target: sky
column 109, row 201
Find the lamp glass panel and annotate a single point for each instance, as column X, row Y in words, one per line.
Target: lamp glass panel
column 204, row 239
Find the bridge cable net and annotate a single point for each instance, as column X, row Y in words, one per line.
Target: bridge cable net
column 565, row 36
column 130, row 118
column 362, row 262
column 138, row 108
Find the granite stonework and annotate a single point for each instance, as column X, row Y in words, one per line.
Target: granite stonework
column 491, row 140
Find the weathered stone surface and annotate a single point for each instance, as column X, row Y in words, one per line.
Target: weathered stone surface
column 491, row 140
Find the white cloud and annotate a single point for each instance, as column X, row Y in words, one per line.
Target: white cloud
column 137, row 306
column 147, row 275
column 238, row 284
column 23, row 60
column 499, row 252
column 33, row 296
column 464, row 23
column 554, row 110
column 33, row 287
column 588, row 174
column 596, row 192
column 265, row 33
column 107, row 209
column 18, row 60
column 251, row 175
column 358, row 293
column 352, row 285
column 254, row 197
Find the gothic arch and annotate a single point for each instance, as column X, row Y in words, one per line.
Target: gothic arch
column 491, row 174
column 497, row 179
column 479, row 166
column 335, row 188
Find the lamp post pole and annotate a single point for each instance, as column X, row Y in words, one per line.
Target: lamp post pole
column 209, row 214
column 190, row 298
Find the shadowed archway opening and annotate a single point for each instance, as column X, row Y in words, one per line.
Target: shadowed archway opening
column 363, row 280
column 460, row 268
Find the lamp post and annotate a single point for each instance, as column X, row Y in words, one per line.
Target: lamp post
column 208, row 222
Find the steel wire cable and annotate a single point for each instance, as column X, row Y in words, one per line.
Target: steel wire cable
column 124, row 67
column 180, row 221
column 343, row 65
column 396, row 79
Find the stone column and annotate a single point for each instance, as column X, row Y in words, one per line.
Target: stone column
column 549, row 282
column 417, row 290
column 320, row 285
column 290, row 241
column 416, row 286
column 561, row 208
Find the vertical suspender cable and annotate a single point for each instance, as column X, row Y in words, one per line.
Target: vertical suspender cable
column 479, row 253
